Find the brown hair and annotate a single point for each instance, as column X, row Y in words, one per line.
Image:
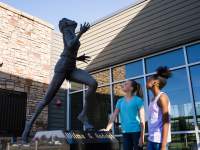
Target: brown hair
column 137, row 90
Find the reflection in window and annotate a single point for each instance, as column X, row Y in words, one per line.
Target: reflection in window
column 102, row 77
column 76, row 86
column 195, row 78
column 118, row 93
column 134, row 69
column 193, row 53
column 183, row 141
column 100, row 108
column 119, row 73
column 128, row 71
column 76, row 100
column 181, row 105
column 170, row 59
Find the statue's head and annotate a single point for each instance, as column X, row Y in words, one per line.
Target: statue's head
column 67, row 23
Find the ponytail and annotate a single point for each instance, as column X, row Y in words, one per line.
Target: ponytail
column 162, row 74
column 137, row 89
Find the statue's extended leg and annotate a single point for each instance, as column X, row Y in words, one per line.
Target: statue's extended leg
column 49, row 95
column 84, row 77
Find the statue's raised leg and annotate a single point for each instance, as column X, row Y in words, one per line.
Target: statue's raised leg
column 84, row 77
column 54, row 86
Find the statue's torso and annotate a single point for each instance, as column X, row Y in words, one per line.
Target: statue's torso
column 67, row 61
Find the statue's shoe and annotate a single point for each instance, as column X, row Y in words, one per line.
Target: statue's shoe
column 88, row 126
column 84, row 119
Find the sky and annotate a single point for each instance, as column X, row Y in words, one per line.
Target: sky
column 80, row 10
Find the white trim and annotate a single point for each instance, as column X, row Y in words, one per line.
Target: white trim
column 68, row 108
column 191, row 94
column 111, row 96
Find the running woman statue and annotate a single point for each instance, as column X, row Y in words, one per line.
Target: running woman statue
column 66, row 69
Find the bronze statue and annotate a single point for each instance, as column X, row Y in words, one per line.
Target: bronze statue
column 66, row 69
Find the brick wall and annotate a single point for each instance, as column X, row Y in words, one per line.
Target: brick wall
column 25, row 49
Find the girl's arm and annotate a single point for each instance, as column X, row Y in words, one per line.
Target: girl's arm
column 112, row 119
column 163, row 104
column 142, row 124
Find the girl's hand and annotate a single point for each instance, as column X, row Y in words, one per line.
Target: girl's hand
column 163, row 147
column 141, row 141
column 104, row 130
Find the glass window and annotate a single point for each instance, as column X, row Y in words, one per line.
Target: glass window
column 195, row 78
column 170, row 59
column 181, row 106
column 76, row 86
column 127, row 71
column 76, row 100
column 134, row 69
column 99, row 108
column 183, row 141
column 118, row 93
column 193, row 53
column 102, row 77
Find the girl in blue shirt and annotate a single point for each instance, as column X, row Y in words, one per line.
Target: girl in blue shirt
column 131, row 111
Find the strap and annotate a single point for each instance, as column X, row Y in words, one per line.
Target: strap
column 158, row 96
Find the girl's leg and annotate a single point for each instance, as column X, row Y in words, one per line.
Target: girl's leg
column 136, row 138
column 154, row 146
column 55, row 84
column 127, row 141
column 150, row 145
column 84, row 77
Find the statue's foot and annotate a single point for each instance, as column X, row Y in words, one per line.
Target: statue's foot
column 84, row 119
column 26, row 133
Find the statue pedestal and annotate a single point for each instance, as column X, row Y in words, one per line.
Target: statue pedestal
column 73, row 140
column 93, row 140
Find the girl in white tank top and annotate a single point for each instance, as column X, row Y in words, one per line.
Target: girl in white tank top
column 155, row 121
column 159, row 127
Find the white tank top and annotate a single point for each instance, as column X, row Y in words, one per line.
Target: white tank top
column 155, row 121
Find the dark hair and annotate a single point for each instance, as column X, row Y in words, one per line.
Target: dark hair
column 137, row 90
column 162, row 74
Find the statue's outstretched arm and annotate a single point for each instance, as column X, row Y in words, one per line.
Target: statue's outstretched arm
column 84, row 28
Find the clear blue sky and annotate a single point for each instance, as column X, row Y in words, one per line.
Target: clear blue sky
column 80, row 10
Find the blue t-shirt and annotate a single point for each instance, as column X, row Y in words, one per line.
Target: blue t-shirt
column 129, row 113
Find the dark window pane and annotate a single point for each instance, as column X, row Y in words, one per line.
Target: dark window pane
column 195, row 78
column 118, row 93
column 193, row 53
column 127, row 71
column 170, row 59
column 181, row 106
column 183, row 142
column 76, row 100
column 99, row 109
column 102, row 77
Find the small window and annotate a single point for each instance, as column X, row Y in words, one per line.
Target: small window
column 127, row 71
column 170, row 59
column 134, row 69
column 193, row 53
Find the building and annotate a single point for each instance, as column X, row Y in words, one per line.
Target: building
column 129, row 44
